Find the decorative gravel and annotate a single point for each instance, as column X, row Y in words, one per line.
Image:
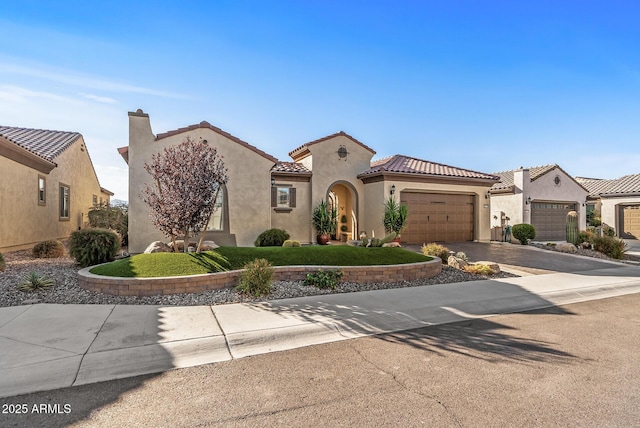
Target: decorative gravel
column 66, row 290
column 586, row 252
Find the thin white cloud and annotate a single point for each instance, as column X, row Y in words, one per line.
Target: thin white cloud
column 106, row 100
column 17, row 94
column 72, row 78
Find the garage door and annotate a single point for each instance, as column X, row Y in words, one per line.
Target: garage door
column 438, row 217
column 550, row 220
column 630, row 221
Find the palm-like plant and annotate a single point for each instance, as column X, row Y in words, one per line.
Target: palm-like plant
column 324, row 219
column 395, row 216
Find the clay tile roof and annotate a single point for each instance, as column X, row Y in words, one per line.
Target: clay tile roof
column 44, row 143
column 305, row 147
column 535, row 172
column 205, row 124
column 409, row 165
column 290, row 168
column 622, row 185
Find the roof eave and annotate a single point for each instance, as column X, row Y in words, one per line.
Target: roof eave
column 25, row 157
column 399, row 175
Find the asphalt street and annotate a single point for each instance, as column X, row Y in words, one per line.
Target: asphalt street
column 576, row 365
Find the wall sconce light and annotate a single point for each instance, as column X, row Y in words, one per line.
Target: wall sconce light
column 528, row 201
column 584, row 204
column 393, row 189
column 273, row 181
column 488, row 194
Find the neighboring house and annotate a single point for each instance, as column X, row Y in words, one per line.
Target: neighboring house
column 47, row 186
column 618, row 202
column 541, row 196
column 445, row 203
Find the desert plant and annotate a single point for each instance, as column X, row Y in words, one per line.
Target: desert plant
column 572, row 228
column 291, row 243
column 395, row 216
column 3, row 264
column 608, row 230
column 375, row 242
column 610, row 246
column 112, row 217
column 256, row 278
column 595, row 218
column 34, row 281
column 437, row 250
column 586, row 236
column 479, row 269
column 324, row 219
column 93, row 246
column 324, row 278
column 462, row 256
column 49, row 249
column 523, row 232
column 272, row 238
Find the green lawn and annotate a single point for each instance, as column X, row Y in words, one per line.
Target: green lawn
column 229, row 258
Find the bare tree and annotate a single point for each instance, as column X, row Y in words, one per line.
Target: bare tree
column 186, row 182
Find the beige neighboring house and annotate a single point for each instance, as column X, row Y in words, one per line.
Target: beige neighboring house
column 47, row 186
column 541, row 196
column 618, row 202
column 445, row 203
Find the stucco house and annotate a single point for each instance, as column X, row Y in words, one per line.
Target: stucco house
column 541, row 196
column 47, row 186
column 618, row 202
column 445, row 203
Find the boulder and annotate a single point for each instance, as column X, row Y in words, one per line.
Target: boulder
column 495, row 268
column 208, row 246
column 157, row 247
column 456, row 263
column 180, row 244
column 566, row 248
column 354, row 243
column 392, row 244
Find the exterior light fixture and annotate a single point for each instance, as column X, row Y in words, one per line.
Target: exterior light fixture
column 488, row 194
column 528, row 201
column 273, row 181
column 393, row 189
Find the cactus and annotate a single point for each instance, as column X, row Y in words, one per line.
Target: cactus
column 572, row 227
column 365, row 242
column 390, row 237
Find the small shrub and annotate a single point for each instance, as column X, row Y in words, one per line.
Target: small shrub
column 3, row 265
column 610, row 246
column 50, row 249
column 291, row 243
column 93, row 246
column 34, row 281
column 324, row 278
column 272, row 238
column 256, row 278
column 608, row 230
column 587, row 236
column 437, row 250
column 462, row 256
column 523, row 232
column 479, row 269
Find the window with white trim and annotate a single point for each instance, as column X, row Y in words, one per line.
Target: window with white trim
column 42, row 190
column 65, row 192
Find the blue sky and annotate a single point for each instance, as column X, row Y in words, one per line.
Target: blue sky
column 484, row 85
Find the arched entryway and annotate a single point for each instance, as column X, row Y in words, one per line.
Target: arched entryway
column 344, row 197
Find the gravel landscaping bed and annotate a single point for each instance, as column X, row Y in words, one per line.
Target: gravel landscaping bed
column 586, row 252
column 66, row 290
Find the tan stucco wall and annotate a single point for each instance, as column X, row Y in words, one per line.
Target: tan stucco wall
column 24, row 221
column 297, row 221
column 248, row 188
column 377, row 193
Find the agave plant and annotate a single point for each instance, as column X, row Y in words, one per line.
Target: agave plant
column 395, row 216
column 35, row 281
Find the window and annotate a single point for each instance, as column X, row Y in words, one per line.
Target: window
column 95, row 200
column 42, row 190
column 217, row 218
column 283, row 197
column 64, row 201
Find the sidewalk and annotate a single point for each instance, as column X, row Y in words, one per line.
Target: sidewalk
column 48, row 346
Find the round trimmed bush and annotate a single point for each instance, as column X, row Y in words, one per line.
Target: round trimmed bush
column 50, row 249
column 272, row 238
column 93, row 246
column 437, row 250
column 523, row 232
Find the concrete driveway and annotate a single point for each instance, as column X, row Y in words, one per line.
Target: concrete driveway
column 531, row 259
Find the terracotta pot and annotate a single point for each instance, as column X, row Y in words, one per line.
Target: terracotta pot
column 323, row 239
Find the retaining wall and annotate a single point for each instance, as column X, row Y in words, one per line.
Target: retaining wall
column 119, row 286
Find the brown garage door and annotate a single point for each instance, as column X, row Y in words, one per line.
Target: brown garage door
column 438, row 217
column 630, row 221
column 550, row 220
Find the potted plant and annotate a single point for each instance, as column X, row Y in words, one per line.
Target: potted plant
column 325, row 221
column 395, row 217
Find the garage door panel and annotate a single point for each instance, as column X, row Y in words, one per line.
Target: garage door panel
column 438, row 217
column 549, row 219
column 630, row 221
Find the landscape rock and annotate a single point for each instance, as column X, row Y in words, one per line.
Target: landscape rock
column 354, row 242
column 566, row 248
column 157, row 247
column 456, row 263
column 392, row 244
column 495, row 268
column 208, row 246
